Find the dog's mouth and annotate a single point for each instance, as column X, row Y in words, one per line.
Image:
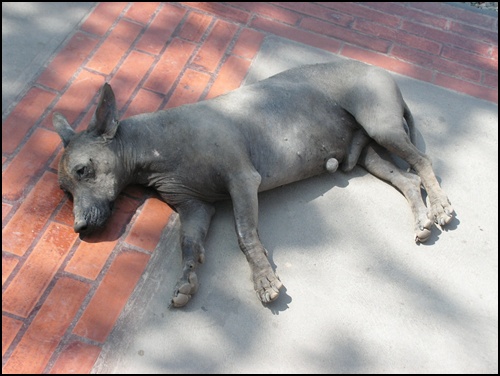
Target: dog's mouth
column 93, row 219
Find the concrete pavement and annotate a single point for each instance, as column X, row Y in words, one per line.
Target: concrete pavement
column 31, row 34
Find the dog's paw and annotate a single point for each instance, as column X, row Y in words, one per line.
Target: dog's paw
column 184, row 290
column 423, row 230
column 267, row 285
column 442, row 212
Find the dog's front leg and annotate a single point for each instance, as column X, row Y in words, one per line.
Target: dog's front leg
column 195, row 217
column 243, row 189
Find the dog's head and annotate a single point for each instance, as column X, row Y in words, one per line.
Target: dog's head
column 90, row 169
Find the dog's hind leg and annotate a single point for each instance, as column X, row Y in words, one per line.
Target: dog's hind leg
column 359, row 141
column 378, row 162
column 380, row 108
column 195, row 217
column 384, row 124
column 441, row 211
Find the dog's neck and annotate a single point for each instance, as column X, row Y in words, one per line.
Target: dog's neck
column 140, row 157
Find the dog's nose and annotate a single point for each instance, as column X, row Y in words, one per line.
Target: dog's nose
column 80, row 225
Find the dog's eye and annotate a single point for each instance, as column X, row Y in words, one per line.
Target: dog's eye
column 81, row 172
column 84, row 172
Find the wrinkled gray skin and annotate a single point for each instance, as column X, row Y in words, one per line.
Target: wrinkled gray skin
column 289, row 127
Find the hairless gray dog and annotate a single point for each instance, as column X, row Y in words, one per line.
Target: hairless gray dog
column 294, row 125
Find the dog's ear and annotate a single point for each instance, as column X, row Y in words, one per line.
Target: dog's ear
column 105, row 120
column 62, row 128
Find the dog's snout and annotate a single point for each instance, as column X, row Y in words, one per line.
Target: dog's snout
column 80, row 226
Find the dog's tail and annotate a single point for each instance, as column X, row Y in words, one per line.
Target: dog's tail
column 410, row 123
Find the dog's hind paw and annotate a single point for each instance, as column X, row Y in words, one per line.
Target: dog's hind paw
column 422, row 236
column 442, row 213
column 423, row 230
column 443, row 218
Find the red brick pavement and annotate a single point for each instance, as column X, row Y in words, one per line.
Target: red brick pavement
column 62, row 296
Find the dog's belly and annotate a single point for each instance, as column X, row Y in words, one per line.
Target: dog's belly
column 286, row 130
column 295, row 157
column 290, row 129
